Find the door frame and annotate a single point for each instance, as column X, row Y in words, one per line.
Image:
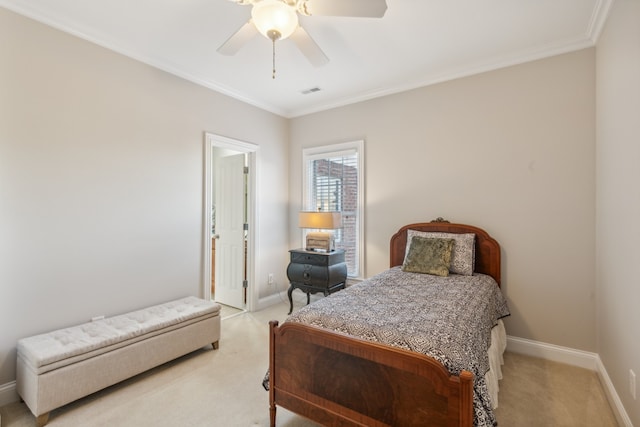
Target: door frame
column 212, row 140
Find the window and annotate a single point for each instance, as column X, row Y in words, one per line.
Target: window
column 332, row 177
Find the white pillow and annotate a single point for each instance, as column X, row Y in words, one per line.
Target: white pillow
column 463, row 256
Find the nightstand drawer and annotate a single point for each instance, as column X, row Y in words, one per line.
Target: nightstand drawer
column 313, row 258
column 316, row 275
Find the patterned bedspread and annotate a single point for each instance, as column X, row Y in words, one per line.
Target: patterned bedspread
column 447, row 318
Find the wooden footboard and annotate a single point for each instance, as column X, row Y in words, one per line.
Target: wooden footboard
column 337, row 380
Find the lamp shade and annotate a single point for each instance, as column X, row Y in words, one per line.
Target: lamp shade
column 274, row 19
column 320, row 220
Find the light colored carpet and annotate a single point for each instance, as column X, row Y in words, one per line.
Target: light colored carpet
column 222, row 388
column 536, row 392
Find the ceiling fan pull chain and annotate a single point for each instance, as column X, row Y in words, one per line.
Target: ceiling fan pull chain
column 273, row 74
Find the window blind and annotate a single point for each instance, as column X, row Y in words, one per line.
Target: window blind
column 332, row 180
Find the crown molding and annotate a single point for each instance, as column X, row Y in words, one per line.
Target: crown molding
column 589, row 39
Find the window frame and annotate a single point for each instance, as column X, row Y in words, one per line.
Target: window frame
column 333, row 150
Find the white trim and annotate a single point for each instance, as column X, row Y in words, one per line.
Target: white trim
column 321, row 154
column 555, row 353
column 573, row 357
column 347, row 147
column 598, row 19
column 208, row 195
column 272, row 299
column 8, row 393
column 612, row 395
column 213, row 140
column 282, row 297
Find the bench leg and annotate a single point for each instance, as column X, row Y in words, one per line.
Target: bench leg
column 41, row 420
column 215, row 345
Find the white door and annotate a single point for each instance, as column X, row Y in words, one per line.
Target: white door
column 230, row 232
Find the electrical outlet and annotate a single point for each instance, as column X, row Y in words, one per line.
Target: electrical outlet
column 270, row 279
column 632, row 383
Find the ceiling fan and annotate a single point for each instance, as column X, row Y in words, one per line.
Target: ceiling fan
column 278, row 20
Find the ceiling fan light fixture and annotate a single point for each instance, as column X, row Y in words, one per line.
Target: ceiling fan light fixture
column 274, row 19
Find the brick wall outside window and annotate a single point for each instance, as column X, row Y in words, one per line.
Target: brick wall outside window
column 336, row 189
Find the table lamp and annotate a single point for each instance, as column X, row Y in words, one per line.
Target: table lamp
column 320, row 241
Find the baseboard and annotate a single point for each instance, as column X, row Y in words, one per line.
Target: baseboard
column 579, row 358
column 555, row 353
column 269, row 301
column 612, row 395
column 8, row 393
column 281, row 296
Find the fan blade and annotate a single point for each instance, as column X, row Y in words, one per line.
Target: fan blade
column 309, row 47
column 354, row 8
column 237, row 40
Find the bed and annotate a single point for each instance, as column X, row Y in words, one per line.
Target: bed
column 383, row 353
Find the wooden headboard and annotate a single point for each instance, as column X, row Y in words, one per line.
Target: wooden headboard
column 487, row 248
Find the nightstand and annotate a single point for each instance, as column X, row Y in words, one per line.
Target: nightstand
column 314, row 272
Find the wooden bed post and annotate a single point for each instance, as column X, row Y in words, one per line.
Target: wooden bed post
column 273, row 326
column 466, row 398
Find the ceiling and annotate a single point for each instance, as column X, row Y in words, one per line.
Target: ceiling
column 416, row 43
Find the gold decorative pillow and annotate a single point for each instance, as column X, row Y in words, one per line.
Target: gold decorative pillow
column 429, row 256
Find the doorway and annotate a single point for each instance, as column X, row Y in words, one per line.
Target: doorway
column 229, row 221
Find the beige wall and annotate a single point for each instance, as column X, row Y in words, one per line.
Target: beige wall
column 511, row 151
column 101, row 182
column 618, row 199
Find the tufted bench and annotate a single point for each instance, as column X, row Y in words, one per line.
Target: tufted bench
column 58, row 367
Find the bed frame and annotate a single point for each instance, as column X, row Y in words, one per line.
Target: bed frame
column 338, row 380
